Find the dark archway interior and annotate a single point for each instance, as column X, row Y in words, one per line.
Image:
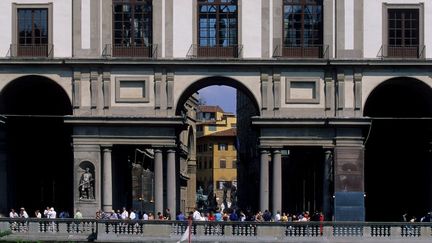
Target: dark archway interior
column 38, row 144
column 398, row 152
column 302, row 173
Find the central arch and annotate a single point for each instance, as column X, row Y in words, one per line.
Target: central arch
column 398, row 156
column 37, row 144
column 247, row 106
column 215, row 80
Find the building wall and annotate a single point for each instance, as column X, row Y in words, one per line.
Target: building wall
column 62, row 26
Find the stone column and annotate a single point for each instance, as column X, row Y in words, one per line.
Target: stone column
column 264, row 181
column 107, row 180
column 327, row 178
column 158, row 173
column 171, row 182
column 277, row 181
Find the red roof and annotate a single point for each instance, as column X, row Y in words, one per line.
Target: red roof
column 210, row 108
column 232, row 132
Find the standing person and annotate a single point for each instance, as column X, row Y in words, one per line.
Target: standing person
column 196, row 215
column 38, row 214
column 180, row 216
column 52, row 214
column 124, row 214
column 167, row 215
column 46, row 211
column 78, row 215
column 277, row 217
column 132, row 215
column 145, row 216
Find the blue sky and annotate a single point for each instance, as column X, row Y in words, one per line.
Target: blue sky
column 223, row 96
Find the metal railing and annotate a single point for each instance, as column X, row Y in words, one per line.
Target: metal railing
column 134, row 51
column 31, row 50
column 102, row 230
column 315, row 51
column 404, row 52
column 215, row 51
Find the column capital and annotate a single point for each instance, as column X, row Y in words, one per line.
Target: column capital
column 106, row 148
column 157, row 150
column 171, row 150
column 277, row 151
column 264, row 151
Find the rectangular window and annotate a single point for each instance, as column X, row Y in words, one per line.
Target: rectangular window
column 234, row 164
column 302, row 28
column 217, row 28
column 222, row 147
column 132, row 28
column 212, row 128
column 32, row 32
column 222, row 164
column 403, row 32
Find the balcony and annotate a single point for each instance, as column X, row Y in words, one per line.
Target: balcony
column 403, row 52
column 316, row 51
column 31, row 50
column 148, row 51
column 215, row 51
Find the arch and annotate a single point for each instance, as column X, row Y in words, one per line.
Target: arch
column 397, row 151
column 399, row 97
column 39, row 91
column 215, row 80
column 37, row 143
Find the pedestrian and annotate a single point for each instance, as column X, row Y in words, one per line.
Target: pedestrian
column 23, row 213
column 13, row 214
column 38, row 214
column 78, row 215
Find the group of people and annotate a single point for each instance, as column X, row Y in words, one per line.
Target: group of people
column 196, row 215
column 133, row 215
column 49, row 213
column 267, row 216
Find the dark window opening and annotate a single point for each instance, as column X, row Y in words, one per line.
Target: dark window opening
column 32, row 32
column 132, row 28
column 217, row 28
column 302, row 28
column 403, row 33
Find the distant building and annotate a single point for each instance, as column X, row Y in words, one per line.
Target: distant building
column 216, row 151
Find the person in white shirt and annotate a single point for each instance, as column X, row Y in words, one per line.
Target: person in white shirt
column 196, row 215
column 38, row 214
column 132, row 215
column 145, row 216
column 23, row 213
column 277, row 217
column 124, row 214
column 13, row 214
column 52, row 214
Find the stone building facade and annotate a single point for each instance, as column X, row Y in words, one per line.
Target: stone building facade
column 83, row 82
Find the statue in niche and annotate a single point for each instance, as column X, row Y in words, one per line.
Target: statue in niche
column 86, row 185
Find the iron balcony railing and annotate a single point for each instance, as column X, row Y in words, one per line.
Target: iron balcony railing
column 408, row 52
column 215, row 51
column 31, row 50
column 310, row 51
column 134, row 51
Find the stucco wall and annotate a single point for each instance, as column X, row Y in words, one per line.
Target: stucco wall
column 62, row 26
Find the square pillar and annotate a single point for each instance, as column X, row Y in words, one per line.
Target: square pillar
column 87, row 156
column 349, row 183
